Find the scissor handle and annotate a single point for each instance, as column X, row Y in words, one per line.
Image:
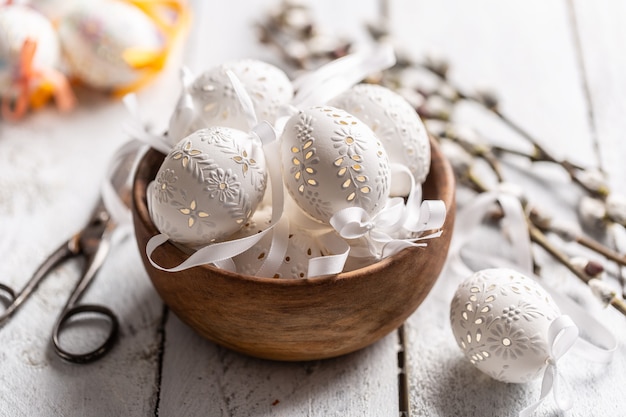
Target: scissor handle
column 7, row 291
column 99, row 351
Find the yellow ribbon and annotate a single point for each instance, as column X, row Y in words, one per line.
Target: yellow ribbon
column 172, row 18
column 49, row 82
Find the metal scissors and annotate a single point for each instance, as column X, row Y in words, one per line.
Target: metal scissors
column 93, row 243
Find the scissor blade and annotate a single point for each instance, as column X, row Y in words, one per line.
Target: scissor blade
column 65, row 251
column 96, row 248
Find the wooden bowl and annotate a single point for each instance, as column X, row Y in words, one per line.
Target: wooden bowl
column 295, row 320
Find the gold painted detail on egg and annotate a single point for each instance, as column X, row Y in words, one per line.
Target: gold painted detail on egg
column 349, row 142
column 342, row 118
column 250, row 168
column 193, row 160
column 350, row 145
column 304, row 156
column 193, row 214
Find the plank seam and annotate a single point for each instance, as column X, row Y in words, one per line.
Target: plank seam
column 160, row 358
column 584, row 81
column 403, row 379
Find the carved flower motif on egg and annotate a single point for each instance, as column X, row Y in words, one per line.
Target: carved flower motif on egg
column 500, row 319
column 208, row 186
column 222, row 184
column 193, row 160
column 397, row 125
column 333, row 161
column 192, row 213
column 165, row 183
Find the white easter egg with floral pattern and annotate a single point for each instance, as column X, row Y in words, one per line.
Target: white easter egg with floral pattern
column 398, row 126
column 301, row 247
column 216, row 103
column 500, row 319
column 18, row 23
column 208, row 186
column 331, row 160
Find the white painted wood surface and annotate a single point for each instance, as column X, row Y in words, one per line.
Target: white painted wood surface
column 559, row 69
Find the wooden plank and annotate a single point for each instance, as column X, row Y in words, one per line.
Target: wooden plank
column 602, row 36
column 200, row 378
column 51, row 168
column 491, row 43
column 526, row 52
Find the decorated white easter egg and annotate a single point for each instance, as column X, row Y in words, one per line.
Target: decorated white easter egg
column 500, row 319
column 331, row 160
column 301, row 247
column 54, row 9
column 17, row 24
column 208, row 186
column 398, row 126
column 110, row 44
column 216, row 103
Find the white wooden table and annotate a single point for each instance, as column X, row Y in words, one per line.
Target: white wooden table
column 560, row 70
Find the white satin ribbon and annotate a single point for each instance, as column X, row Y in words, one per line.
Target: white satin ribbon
column 117, row 183
column 354, row 222
column 136, row 129
column 329, row 264
column 118, row 178
column 221, row 253
column 185, row 110
column 331, row 79
column 244, row 99
column 314, row 88
column 414, row 216
column 419, row 215
column 562, row 334
column 563, row 331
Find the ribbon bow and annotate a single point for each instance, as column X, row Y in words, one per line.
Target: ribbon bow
column 563, row 331
column 49, row 81
column 562, row 335
column 414, row 217
column 355, row 222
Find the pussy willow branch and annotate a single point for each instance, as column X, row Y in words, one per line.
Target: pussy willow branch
column 540, row 221
column 540, row 153
column 544, row 225
column 540, row 238
column 536, row 156
column 291, row 31
column 484, row 152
